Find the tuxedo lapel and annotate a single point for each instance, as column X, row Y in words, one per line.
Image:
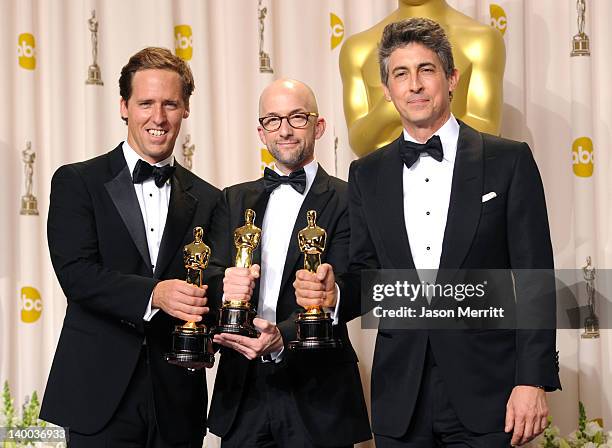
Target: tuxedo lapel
column 181, row 207
column 121, row 190
column 316, row 199
column 465, row 201
column 389, row 208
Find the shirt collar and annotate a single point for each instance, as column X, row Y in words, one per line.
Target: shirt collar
column 311, row 171
column 449, row 135
column 132, row 157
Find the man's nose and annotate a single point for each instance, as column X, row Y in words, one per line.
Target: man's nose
column 285, row 129
column 415, row 84
column 159, row 114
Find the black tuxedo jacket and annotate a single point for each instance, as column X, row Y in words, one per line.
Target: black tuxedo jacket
column 99, row 252
column 479, row 367
column 326, row 386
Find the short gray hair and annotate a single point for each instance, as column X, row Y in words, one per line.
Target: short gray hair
column 414, row 30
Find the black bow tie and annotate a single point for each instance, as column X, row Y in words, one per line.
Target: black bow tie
column 297, row 180
column 410, row 151
column 144, row 171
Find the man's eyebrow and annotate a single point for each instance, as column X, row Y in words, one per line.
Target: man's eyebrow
column 421, row 65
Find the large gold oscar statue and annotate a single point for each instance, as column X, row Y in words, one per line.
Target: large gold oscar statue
column 479, row 55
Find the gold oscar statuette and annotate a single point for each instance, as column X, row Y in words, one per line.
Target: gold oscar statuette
column 264, row 58
column 314, row 327
column 188, row 151
column 236, row 316
column 29, row 204
column 192, row 342
column 591, row 322
column 94, row 75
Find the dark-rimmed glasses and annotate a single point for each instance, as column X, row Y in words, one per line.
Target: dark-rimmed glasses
column 298, row 120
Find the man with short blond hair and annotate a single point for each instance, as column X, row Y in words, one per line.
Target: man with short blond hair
column 117, row 227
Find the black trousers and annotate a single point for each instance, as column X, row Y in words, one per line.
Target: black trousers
column 434, row 422
column 134, row 424
column 267, row 416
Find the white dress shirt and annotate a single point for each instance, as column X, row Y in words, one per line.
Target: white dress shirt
column 427, row 188
column 278, row 222
column 281, row 213
column 153, row 203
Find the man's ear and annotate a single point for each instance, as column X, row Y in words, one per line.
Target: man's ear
column 123, row 109
column 386, row 92
column 320, row 128
column 453, row 80
column 262, row 135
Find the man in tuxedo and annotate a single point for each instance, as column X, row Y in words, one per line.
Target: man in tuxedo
column 445, row 196
column 265, row 395
column 117, row 227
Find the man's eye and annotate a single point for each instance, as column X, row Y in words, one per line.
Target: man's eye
column 271, row 120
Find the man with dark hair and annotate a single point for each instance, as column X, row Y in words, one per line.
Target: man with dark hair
column 265, row 395
column 445, row 196
column 117, row 227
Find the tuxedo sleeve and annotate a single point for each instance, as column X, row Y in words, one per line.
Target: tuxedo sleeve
column 75, row 255
column 362, row 253
column 531, row 258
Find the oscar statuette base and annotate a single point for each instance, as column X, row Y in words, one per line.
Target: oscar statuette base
column 192, row 347
column 314, row 332
column 237, row 318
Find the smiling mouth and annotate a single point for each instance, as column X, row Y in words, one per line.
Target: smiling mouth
column 157, row 132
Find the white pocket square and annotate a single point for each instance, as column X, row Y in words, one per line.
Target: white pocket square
column 488, row 196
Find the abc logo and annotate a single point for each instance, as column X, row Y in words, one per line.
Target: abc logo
column 337, row 30
column 582, row 157
column 267, row 161
column 498, row 18
column 183, row 42
column 31, row 304
column 26, row 51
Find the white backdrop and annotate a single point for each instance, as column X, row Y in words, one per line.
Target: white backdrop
column 46, row 101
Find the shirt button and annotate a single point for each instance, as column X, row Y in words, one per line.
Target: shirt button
column 428, row 248
column 150, row 195
column 152, row 229
column 427, row 179
column 427, row 213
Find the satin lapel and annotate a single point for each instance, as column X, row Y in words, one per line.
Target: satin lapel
column 316, row 199
column 121, row 190
column 389, row 209
column 465, row 201
column 181, row 207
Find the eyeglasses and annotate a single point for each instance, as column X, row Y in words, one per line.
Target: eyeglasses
column 298, row 121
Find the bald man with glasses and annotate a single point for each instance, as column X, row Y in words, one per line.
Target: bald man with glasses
column 266, row 395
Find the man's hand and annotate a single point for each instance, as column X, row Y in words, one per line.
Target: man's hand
column 526, row 413
column 269, row 341
column 239, row 283
column 180, row 299
column 316, row 289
